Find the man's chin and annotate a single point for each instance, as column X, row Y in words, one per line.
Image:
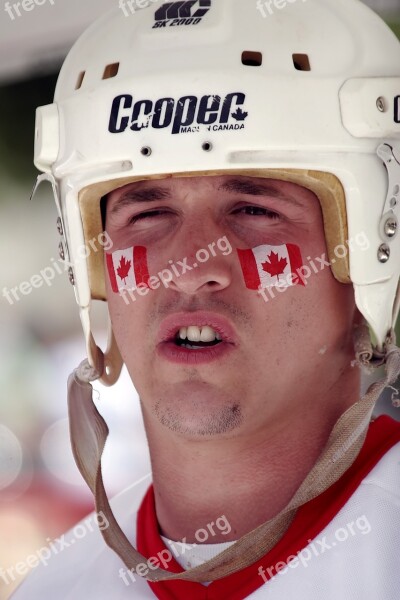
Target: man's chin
column 198, row 417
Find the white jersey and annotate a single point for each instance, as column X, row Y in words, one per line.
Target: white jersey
column 356, row 556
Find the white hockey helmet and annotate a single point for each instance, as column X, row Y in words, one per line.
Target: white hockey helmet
column 303, row 91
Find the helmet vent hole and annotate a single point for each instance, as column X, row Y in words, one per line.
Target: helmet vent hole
column 111, row 71
column 301, row 62
column 252, row 59
column 146, row 151
column 80, row 79
column 207, row 146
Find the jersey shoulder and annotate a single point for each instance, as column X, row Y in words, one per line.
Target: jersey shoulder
column 83, row 566
column 356, row 555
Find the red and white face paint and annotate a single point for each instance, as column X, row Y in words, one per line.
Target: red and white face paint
column 271, row 266
column 128, row 268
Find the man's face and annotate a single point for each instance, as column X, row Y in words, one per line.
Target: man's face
column 274, row 353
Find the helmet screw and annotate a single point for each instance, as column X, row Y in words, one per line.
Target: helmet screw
column 381, row 104
column 71, row 276
column 61, row 251
column 59, row 226
column 391, row 227
column 383, row 253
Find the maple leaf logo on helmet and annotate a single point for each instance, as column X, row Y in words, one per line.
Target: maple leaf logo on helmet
column 240, row 115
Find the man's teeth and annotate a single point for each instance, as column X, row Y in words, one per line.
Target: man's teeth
column 199, row 334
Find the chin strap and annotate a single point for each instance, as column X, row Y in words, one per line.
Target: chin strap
column 89, row 433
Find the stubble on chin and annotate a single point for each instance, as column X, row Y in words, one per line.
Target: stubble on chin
column 202, row 423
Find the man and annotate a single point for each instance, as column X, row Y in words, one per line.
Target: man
column 247, row 169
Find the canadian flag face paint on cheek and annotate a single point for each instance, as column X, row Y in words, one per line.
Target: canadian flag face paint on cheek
column 271, row 266
column 128, row 268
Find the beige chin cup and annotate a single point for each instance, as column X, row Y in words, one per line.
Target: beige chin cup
column 106, row 365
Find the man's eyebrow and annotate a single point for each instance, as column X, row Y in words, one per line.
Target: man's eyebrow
column 253, row 188
column 145, row 195
column 239, row 186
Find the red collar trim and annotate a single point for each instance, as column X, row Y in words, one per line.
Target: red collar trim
column 308, row 523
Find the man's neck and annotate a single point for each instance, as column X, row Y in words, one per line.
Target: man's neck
column 248, row 480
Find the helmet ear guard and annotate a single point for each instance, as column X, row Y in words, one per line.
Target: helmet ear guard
column 107, row 365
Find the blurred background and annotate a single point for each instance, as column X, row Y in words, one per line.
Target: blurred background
column 41, row 492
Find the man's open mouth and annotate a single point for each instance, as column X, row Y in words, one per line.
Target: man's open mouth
column 196, row 338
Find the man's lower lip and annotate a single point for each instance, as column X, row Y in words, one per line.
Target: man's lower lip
column 184, row 356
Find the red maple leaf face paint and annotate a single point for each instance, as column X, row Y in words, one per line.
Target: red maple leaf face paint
column 271, row 266
column 128, row 268
column 124, row 268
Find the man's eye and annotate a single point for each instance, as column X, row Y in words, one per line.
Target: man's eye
column 257, row 211
column 146, row 215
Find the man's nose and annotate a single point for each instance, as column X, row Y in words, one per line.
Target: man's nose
column 202, row 266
